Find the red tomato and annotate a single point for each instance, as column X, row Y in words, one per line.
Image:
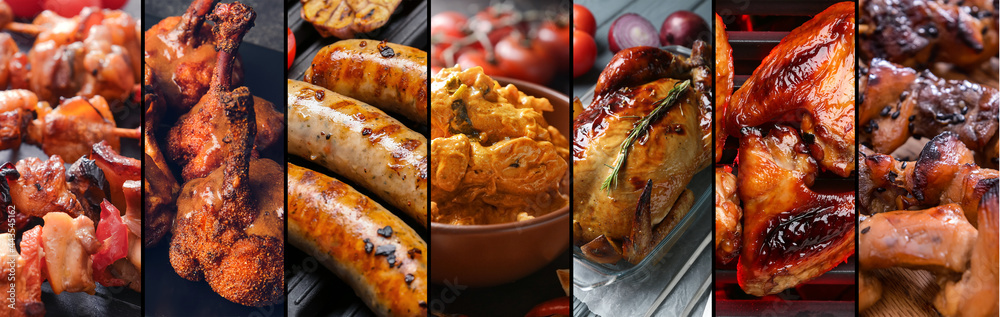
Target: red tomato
column 25, row 8
column 491, row 21
column 583, row 20
column 556, row 39
column 584, row 53
column 113, row 4
column 474, row 57
column 291, row 48
column 69, row 8
column 525, row 60
column 449, row 22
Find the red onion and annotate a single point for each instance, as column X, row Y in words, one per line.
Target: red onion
column 683, row 28
column 631, row 30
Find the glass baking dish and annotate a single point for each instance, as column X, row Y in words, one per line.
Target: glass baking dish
column 588, row 274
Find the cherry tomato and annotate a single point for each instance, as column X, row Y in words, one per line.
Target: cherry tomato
column 584, row 53
column 556, row 39
column 69, row 8
column 526, row 60
column 475, row 57
column 556, row 306
column 492, row 22
column 448, row 22
column 291, row 47
column 113, row 4
column 25, row 8
column 583, row 20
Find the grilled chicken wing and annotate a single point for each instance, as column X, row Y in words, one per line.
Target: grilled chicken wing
column 943, row 173
column 869, row 290
column 938, row 239
column 919, row 32
column 672, row 150
column 975, row 294
column 791, row 233
column 728, row 216
column 898, row 102
column 808, row 80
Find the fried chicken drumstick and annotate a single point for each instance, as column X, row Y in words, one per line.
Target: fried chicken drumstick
column 182, row 52
column 196, row 142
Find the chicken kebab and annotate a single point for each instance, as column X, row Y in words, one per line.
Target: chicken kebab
column 221, row 206
column 95, row 53
column 630, row 191
column 794, row 121
column 928, row 157
column 52, row 213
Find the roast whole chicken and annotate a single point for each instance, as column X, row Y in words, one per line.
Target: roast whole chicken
column 666, row 156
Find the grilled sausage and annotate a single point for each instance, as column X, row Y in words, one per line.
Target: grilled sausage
column 389, row 76
column 382, row 258
column 361, row 143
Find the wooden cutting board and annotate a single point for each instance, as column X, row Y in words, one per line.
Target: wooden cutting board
column 905, row 292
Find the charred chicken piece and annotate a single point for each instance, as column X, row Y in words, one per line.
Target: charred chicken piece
column 117, row 170
column 228, row 230
column 86, row 181
column 791, row 233
column 938, row 239
column 181, row 51
column 159, row 184
column 919, row 32
column 943, row 173
column 42, row 188
column 807, row 80
column 976, row 292
column 728, row 216
column 723, row 84
column 900, row 102
column 674, row 147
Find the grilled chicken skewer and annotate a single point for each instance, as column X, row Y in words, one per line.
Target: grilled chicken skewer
column 900, row 102
column 69, row 130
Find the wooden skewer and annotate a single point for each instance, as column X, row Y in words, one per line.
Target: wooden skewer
column 24, row 28
column 127, row 133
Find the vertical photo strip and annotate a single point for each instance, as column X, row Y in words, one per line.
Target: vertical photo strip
column 642, row 148
column 927, row 160
column 213, row 130
column 357, row 149
column 500, row 172
column 70, row 158
column 785, row 158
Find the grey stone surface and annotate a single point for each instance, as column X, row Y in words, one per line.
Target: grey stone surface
column 267, row 27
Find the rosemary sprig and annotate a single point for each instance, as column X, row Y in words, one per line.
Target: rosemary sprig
column 641, row 127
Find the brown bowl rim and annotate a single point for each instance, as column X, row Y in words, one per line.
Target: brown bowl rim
column 437, row 227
